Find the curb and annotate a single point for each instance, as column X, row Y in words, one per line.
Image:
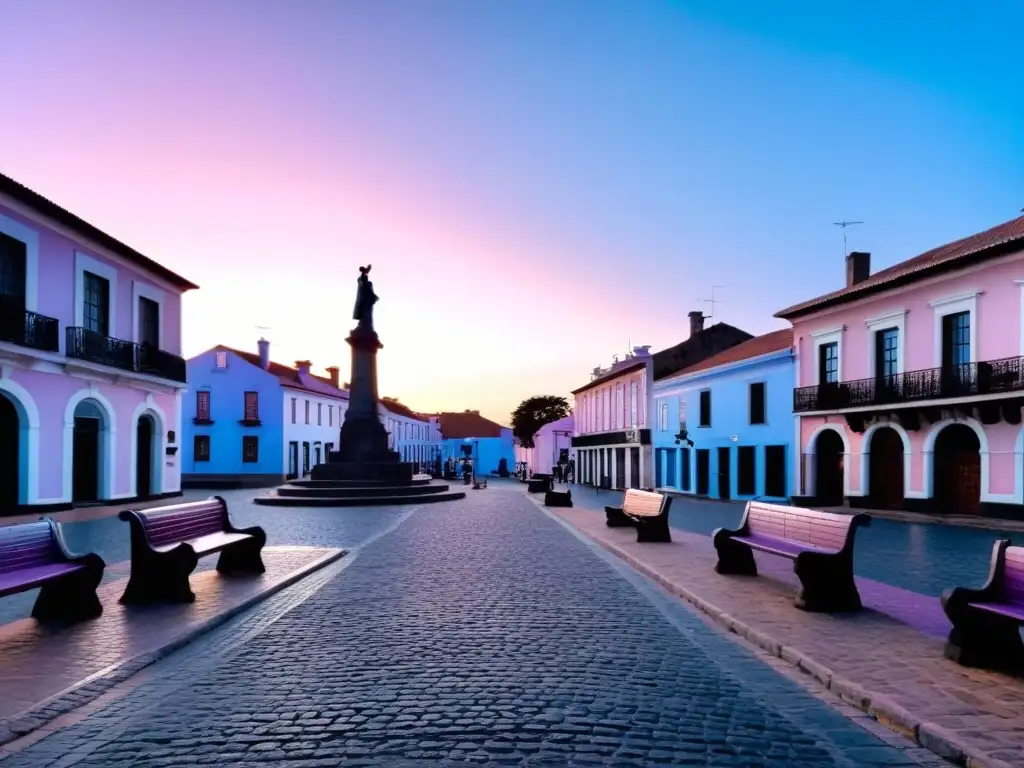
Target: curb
column 932, row 737
column 99, row 683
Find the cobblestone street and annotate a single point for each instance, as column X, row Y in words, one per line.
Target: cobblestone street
column 479, row 630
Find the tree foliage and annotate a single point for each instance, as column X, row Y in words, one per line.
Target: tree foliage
column 533, row 413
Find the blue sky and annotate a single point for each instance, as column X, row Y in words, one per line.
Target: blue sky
column 517, row 171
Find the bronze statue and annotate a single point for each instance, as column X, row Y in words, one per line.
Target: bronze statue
column 365, row 299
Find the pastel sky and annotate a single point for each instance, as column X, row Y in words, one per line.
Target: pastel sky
column 536, row 182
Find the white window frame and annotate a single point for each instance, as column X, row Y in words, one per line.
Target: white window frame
column 663, row 415
column 897, row 320
column 682, row 412
column 30, row 237
column 83, row 264
column 821, row 338
column 220, row 359
column 951, row 305
column 142, row 290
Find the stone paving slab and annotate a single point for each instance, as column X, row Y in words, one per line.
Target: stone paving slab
column 886, row 661
column 40, row 665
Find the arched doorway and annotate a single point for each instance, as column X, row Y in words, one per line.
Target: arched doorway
column 885, row 469
column 10, row 450
column 828, row 459
column 144, row 464
column 956, row 487
column 87, row 452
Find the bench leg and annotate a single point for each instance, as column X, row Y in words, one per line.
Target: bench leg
column 654, row 530
column 243, row 557
column 983, row 639
column 616, row 518
column 72, row 598
column 161, row 578
column 734, row 558
column 826, row 583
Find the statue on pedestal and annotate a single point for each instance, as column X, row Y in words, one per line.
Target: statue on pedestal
column 365, row 299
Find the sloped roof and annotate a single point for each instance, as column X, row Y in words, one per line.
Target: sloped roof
column 699, row 346
column 51, row 210
column 628, row 365
column 755, row 347
column 291, row 377
column 999, row 240
column 467, row 424
column 401, row 409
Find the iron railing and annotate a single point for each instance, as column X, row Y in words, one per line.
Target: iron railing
column 94, row 347
column 28, row 329
column 970, row 379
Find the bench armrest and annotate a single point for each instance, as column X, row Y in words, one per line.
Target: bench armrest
column 90, row 558
column 613, row 510
column 958, row 597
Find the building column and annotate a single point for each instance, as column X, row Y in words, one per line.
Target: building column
column 640, row 454
column 614, row 461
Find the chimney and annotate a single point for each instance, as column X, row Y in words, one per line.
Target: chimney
column 303, row 366
column 644, row 351
column 696, row 322
column 334, row 371
column 264, row 347
column 858, row 268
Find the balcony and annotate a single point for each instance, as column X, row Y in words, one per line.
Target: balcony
column 968, row 380
column 28, row 329
column 83, row 344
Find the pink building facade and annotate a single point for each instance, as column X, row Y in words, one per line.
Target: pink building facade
column 612, row 437
column 909, row 383
column 90, row 368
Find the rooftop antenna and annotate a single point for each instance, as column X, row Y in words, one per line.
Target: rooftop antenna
column 844, row 225
column 713, row 300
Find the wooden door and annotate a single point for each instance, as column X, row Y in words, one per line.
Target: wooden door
column 828, row 455
column 724, row 473
column 885, row 469
column 957, row 479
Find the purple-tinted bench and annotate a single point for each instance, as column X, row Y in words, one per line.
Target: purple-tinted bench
column 34, row 555
column 987, row 621
column 167, row 543
column 644, row 510
column 819, row 543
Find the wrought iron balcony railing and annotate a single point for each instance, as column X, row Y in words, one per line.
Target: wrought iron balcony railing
column 28, row 329
column 84, row 344
column 983, row 378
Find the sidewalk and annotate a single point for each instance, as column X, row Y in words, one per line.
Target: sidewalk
column 82, row 514
column 886, row 661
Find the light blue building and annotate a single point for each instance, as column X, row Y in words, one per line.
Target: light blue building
column 723, row 428
column 469, row 435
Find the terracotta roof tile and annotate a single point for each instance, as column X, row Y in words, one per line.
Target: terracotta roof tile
column 467, row 424
column 755, row 347
column 993, row 241
column 50, row 209
column 401, row 409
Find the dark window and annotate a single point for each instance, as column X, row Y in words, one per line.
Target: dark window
column 293, row 410
column 201, row 448
column 886, row 351
column 319, row 414
column 746, row 468
column 96, row 306
column 705, row 408
column 757, row 402
column 293, row 458
column 149, row 322
column 684, row 480
column 659, row 456
column 330, row 415
column 828, row 363
column 775, row 471
column 252, row 406
column 13, row 255
column 203, row 405
column 703, row 471
column 305, row 458
column 670, row 468
column 956, row 339
column 250, row 449
column 307, row 411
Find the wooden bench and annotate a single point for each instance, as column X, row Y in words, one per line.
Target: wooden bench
column 480, row 482
column 645, row 511
column 167, row 543
column 987, row 621
column 558, row 498
column 34, row 555
column 819, row 543
column 539, row 484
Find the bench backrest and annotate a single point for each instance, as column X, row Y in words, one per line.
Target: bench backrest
column 179, row 522
column 1013, row 576
column 827, row 530
column 28, row 545
column 642, row 503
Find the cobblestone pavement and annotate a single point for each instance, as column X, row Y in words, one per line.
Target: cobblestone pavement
column 887, row 660
column 479, row 631
column 920, row 557
column 305, row 526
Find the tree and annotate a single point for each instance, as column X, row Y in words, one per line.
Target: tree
column 533, row 413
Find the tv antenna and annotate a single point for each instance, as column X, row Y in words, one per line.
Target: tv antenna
column 713, row 301
column 844, row 225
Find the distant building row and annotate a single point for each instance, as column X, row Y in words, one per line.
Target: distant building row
column 903, row 389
